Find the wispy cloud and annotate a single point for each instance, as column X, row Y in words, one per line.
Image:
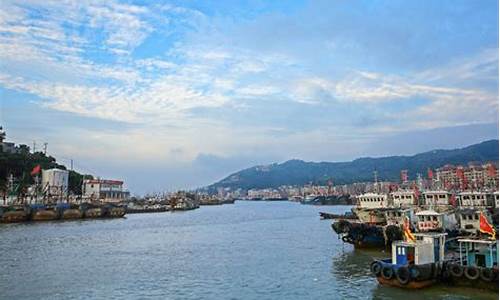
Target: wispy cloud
column 226, row 81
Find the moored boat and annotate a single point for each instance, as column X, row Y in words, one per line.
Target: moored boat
column 113, row 211
column 477, row 265
column 364, row 235
column 91, row 211
column 40, row 212
column 69, row 212
column 14, row 214
column 414, row 264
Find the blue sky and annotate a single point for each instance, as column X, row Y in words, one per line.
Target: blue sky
column 178, row 94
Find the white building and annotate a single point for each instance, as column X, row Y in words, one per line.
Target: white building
column 105, row 190
column 372, row 200
column 55, row 181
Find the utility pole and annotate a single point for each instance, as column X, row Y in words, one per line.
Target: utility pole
column 34, row 147
column 45, row 148
column 71, row 164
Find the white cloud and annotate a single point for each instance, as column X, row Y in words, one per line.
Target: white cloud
column 42, row 55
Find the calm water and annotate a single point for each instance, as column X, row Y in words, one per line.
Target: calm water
column 249, row 250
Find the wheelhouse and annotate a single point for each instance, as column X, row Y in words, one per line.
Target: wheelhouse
column 469, row 219
column 398, row 216
column 403, row 199
column 437, row 198
column 428, row 248
column 478, row 252
column 473, row 199
column 372, row 200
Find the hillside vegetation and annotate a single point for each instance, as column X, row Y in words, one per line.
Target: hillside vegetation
column 298, row 172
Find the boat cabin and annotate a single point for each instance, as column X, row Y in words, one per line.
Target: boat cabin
column 372, row 201
column 437, row 198
column 403, row 199
column 478, row 252
column 428, row 248
column 430, row 220
column 397, row 216
column 473, row 199
column 469, row 219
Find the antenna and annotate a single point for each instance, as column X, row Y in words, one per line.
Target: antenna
column 45, row 148
column 34, row 146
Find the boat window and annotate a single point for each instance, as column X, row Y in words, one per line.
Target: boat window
column 476, row 216
column 434, row 218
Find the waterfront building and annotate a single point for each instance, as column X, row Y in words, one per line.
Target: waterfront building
column 105, row 190
column 55, row 182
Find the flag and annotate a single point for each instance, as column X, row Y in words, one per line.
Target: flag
column 430, row 174
column 485, row 226
column 453, row 200
column 35, row 170
column 492, row 172
column 409, row 237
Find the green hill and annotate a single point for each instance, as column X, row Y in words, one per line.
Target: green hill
column 21, row 164
column 298, row 172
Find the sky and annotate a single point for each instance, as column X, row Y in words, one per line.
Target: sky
column 179, row 94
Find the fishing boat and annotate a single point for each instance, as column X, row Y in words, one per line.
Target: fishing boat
column 14, row 214
column 379, row 234
column 113, row 211
column 370, row 208
column 42, row 212
column 415, row 263
column 69, row 212
column 91, row 211
column 364, row 235
column 477, row 265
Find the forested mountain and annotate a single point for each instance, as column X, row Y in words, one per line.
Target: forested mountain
column 298, row 172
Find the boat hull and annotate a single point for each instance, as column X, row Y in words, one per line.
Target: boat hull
column 44, row 215
column 115, row 212
column 71, row 214
column 363, row 235
column 14, row 216
column 459, row 277
column 410, row 285
column 92, row 213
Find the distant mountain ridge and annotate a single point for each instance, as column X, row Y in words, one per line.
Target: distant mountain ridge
column 298, row 172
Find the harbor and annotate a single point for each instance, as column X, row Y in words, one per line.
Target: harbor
column 162, row 255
